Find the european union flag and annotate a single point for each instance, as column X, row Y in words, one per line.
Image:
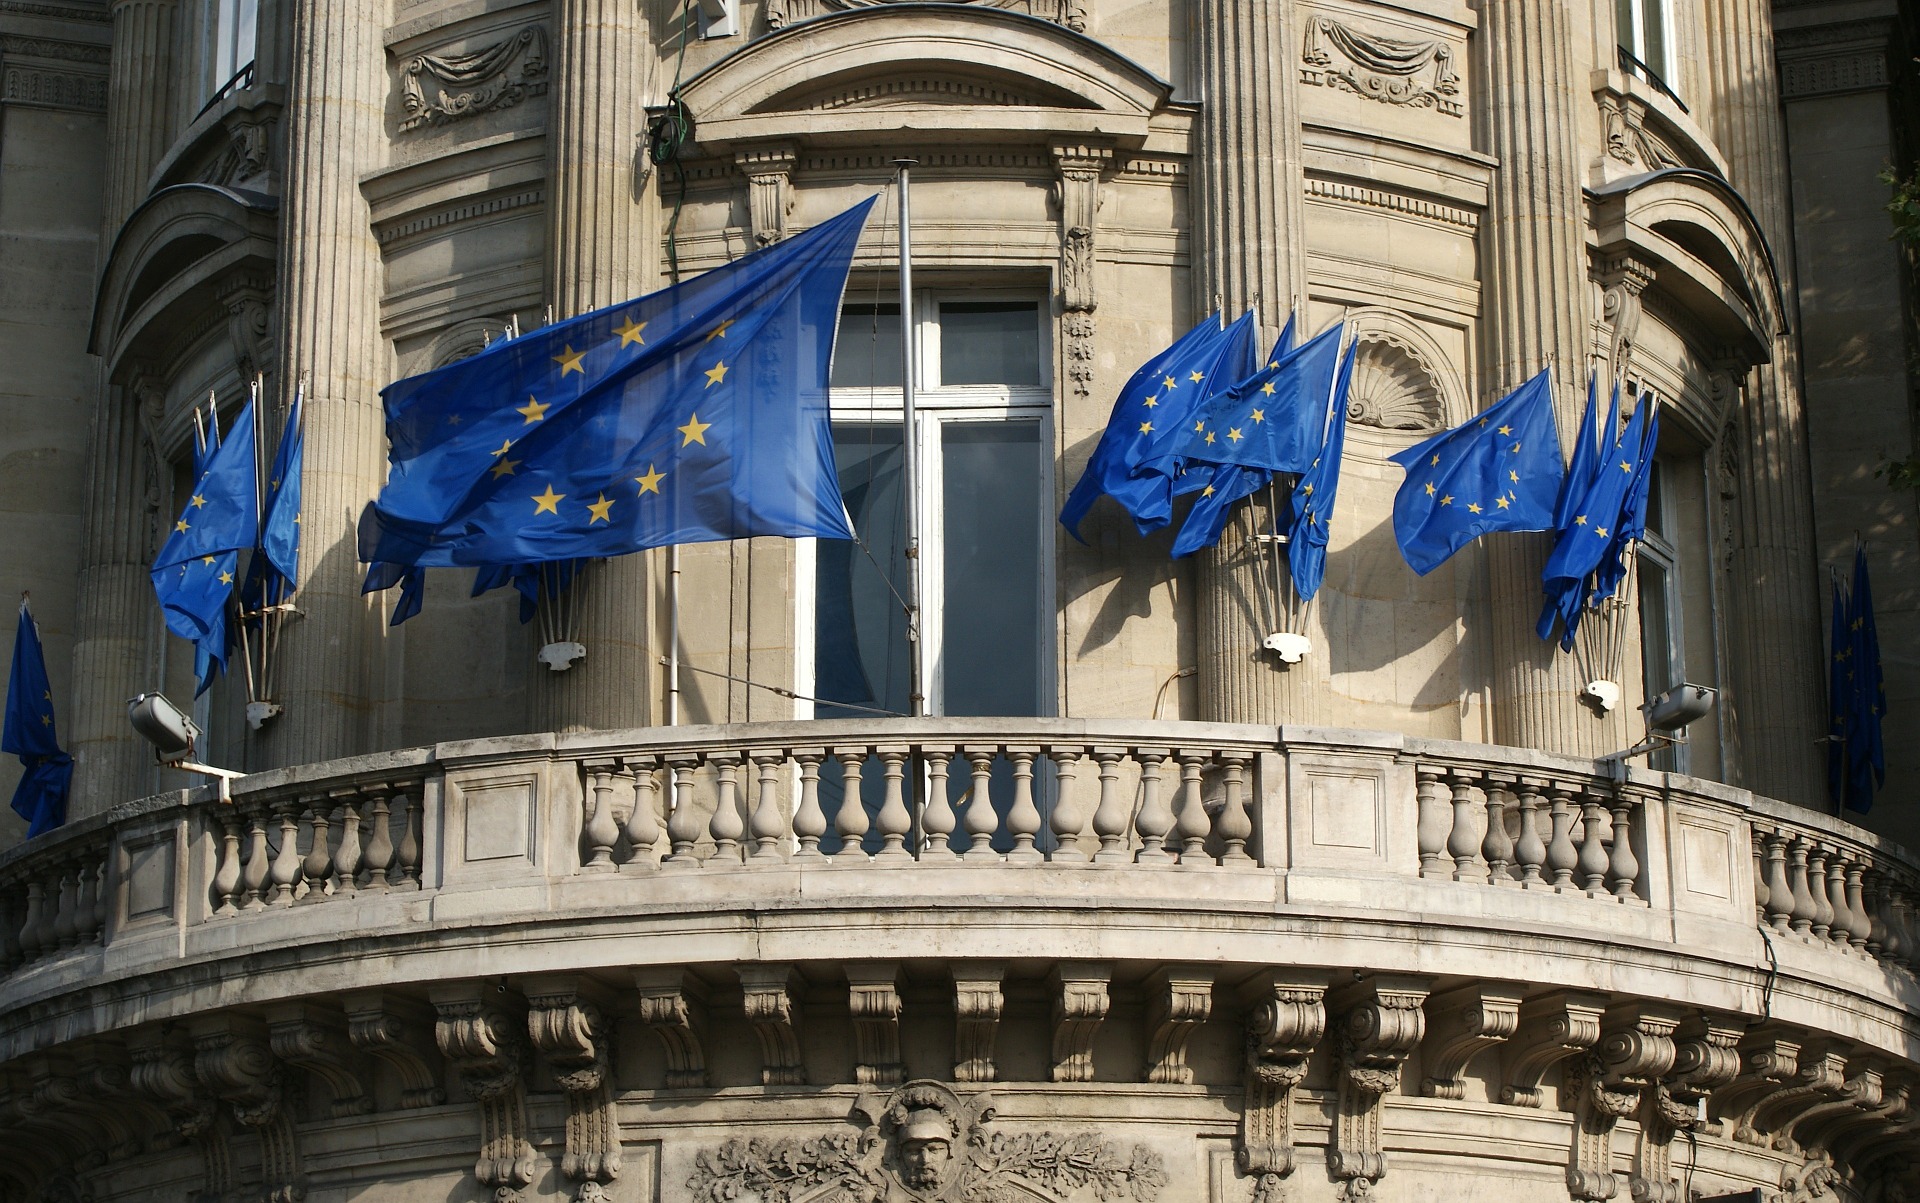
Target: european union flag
column 1500, row 471
column 280, row 524
column 1274, row 419
column 1133, row 463
column 696, row 413
column 46, row 771
column 1312, row 523
column 1633, row 516
column 1866, row 747
column 194, row 573
column 1599, row 521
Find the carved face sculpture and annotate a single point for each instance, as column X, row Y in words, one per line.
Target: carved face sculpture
column 926, row 1150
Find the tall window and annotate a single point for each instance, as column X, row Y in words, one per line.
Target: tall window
column 984, row 464
column 230, row 26
column 1662, row 625
column 1643, row 27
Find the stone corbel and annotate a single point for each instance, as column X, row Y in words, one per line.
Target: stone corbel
column 248, row 300
column 1286, row 1018
column 1466, row 1023
column 482, row 1039
column 568, row 1022
column 771, row 994
column 1552, row 1028
column 977, row 1004
column 1706, row 1057
column 91, row 1110
column 1079, row 169
column 41, row 1144
column 1863, row 1090
column 103, row 1074
column 769, row 172
column 1623, row 278
column 1822, row 1077
column 1179, row 999
column 232, row 1057
column 162, row 1070
column 1769, row 1061
column 873, row 1001
column 673, row 1004
column 317, row 1042
column 1848, row 1137
column 1607, row 1085
column 1381, row 1022
column 396, row 1031
column 1079, row 1005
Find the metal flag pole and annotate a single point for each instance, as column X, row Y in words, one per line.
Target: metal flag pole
column 673, row 635
column 916, row 697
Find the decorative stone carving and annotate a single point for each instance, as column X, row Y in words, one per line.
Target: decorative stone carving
column 1393, row 387
column 771, row 996
column 317, row 1042
column 1628, row 141
column 1179, row 999
column 395, row 1031
column 1078, row 169
column 673, row 1004
column 1416, row 74
column 1070, row 13
column 1624, row 278
column 1285, row 1023
column 231, row 1057
column 977, row 1003
column 1079, row 1004
column 1466, row 1023
column 465, row 85
column 248, row 156
column 1381, row 1023
column 570, row 1030
column 924, row 1142
column 482, row 1039
column 1552, row 1028
column 249, row 303
column 162, row 1069
column 873, row 1000
column 1607, row 1085
column 1706, row 1058
column 1821, row 1076
column 769, row 171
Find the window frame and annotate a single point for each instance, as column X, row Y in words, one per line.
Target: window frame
column 1659, row 548
column 1633, row 38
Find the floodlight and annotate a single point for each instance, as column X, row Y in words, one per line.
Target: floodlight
column 173, row 736
column 1679, row 706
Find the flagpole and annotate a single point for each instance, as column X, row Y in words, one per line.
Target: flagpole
column 916, row 693
column 673, row 635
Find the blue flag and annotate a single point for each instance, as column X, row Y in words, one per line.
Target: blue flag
column 1274, row 419
column 696, row 413
column 1592, row 533
column 46, row 771
column 1313, row 496
column 1866, row 747
column 1220, row 485
column 1500, row 471
column 193, row 576
column 280, row 526
column 527, row 580
column 1839, row 698
column 1633, row 516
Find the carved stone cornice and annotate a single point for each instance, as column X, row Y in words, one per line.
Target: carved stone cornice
column 568, row 1024
column 317, row 1041
column 1179, row 999
column 398, row 1032
column 771, row 995
column 1465, row 1023
column 482, row 1038
column 873, row 1002
column 1552, row 1028
column 977, row 1004
column 673, row 1005
column 769, row 171
column 1079, row 1005
column 1381, row 1022
column 1834, row 58
column 1286, row 1018
column 1070, row 13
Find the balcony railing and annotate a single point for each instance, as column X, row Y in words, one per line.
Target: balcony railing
column 1491, row 833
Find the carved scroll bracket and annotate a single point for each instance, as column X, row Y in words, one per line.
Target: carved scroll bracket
column 1286, row 1018
column 1381, row 1022
column 1079, row 1005
column 1623, row 278
column 1706, row 1058
column 398, row 1032
column 1552, row 1028
column 249, row 302
column 1608, row 1084
column 1179, row 999
column 231, row 1056
column 673, row 1004
column 977, row 1004
column 480, row 1032
column 771, row 994
column 316, row 1041
column 1466, row 1023
column 162, row 1069
column 1079, row 170
column 873, row 1000
column 566, row 1017
column 769, row 172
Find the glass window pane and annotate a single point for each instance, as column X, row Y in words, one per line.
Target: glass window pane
column 1623, row 20
column 992, row 623
column 866, row 351
column 1656, row 636
column 990, row 342
column 860, row 630
column 1653, row 38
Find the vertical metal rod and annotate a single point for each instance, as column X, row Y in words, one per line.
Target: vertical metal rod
column 673, row 635
column 916, row 700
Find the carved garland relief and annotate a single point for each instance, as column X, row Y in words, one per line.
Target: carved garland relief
column 464, row 85
column 1414, row 74
column 1070, row 13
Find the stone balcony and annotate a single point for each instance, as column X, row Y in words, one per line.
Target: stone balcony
column 1155, row 934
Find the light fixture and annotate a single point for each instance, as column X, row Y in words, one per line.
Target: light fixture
column 173, row 736
column 1667, row 719
column 719, row 18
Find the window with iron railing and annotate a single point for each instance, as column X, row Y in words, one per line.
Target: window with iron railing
column 229, row 33
column 1645, row 31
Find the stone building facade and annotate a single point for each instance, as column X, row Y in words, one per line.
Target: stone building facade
column 1139, row 912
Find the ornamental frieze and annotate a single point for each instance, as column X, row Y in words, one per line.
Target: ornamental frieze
column 1070, row 13
column 1414, row 74
column 436, row 88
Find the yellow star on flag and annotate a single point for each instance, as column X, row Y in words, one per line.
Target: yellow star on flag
column 1447, row 500
column 650, row 483
column 1307, row 489
column 198, row 501
column 1209, row 438
column 1150, row 402
column 547, row 503
column 1199, row 425
column 1259, row 415
column 506, row 445
column 602, row 510
column 206, row 559
column 1207, row 492
column 1267, row 388
column 533, row 411
column 630, row 333
column 181, row 527
column 569, row 360
column 1435, row 461
column 1429, row 488
column 1625, row 466
column 226, row 578
column 716, row 373
column 1506, row 430
column 1472, row 508
column 1601, row 531
column 1169, row 382
column 1195, row 377
column 1501, row 502
column 504, row 467
column 1513, row 476
column 1146, row 428
column 1234, row 434
column 1580, row 520
column 695, row 430
column 453, row 419
column 719, row 331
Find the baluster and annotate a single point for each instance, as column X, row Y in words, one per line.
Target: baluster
column 1860, row 931
column 1594, row 860
column 100, row 877
column 226, row 876
column 1462, row 844
column 1873, row 897
column 1023, row 817
column 1110, row 817
column 1760, row 875
column 809, row 821
column 1235, row 825
column 66, row 929
column 1155, row 819
column 1435, row 824
column 1909, row 946
column 850, row 817
column 1846, row 922
column 1817, row 888
column 11, row 915
column 1623, row 870
column 408, row 856
column 253, row 875
column 319, row 863
column 86, row 897
column 938, row 820
column 1779, row 890
column 1803, row 906
column 683, row 825
column 726, row 826
column 1562, row 857
column 379, row 856
column 1068, row 817
column 284, row 869
column 601, row 831
column 979, row 819
column 30, row 941
column 643, row 821
column 768, row 823
column 896, row 821
column 1531, row 850
column 1191, row 824
column 1497, row 847
column 346, row 858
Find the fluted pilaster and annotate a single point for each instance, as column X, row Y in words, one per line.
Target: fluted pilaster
column 1533, row 300
column 1776, row 643
column 1249, row 250
column 329, row 282
column 598, row 253
column 139, row 84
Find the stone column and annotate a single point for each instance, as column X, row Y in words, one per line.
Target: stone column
column 329, row 290
column 598, row 253
column 1533, row 306
column 1777, row 660
column 1249, row 245
column 139, row 114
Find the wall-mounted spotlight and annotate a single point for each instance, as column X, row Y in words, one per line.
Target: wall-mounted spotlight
column 173, row 736
column 1668, row 717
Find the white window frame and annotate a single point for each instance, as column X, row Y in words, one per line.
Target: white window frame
column 227, row 56
column 1633, row 35
column 936, row 407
